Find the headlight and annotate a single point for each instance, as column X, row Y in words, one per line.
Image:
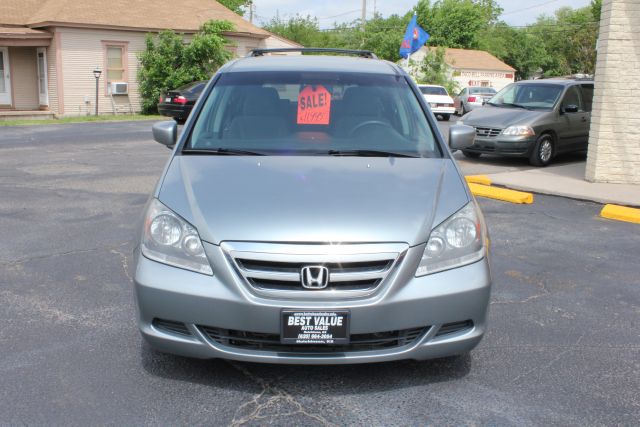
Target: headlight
column 456, row 242
column 171, row 240
column 519, row 131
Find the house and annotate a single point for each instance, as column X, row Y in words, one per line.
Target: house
column 49, row 49
column 472, row 67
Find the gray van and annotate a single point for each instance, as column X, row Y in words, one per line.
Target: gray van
column 536, row 119
column 311, row 213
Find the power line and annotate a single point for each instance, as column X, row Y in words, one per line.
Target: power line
column 529, row 8
column 338, row 15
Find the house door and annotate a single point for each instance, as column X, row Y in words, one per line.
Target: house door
column 43, row 90
column 5, row 83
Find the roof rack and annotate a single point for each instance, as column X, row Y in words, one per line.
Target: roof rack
column 361, row 53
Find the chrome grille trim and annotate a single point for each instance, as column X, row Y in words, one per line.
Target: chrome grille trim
column 488, row 132
column 274, row 269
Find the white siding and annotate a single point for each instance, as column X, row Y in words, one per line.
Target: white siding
column 82, row 51
column 52, row 74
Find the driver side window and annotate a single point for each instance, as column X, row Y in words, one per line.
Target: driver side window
column 573, row 97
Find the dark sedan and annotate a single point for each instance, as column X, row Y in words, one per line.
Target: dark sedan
column 178, row 103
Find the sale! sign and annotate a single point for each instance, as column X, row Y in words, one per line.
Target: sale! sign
column 314, row 106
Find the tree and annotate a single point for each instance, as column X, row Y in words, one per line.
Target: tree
column 236, row 6
column 168, row 63
column 434, row 70
column 569, row 38
column 517, row 47
column 456, row 23
column 383, row 36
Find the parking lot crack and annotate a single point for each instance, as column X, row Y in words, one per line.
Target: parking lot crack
column 575, row 346
column 269, row 402
column 60, row 254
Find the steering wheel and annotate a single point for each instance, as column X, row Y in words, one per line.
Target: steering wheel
column 369, row 123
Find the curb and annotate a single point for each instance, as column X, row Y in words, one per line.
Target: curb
column 621, row 213
column 503, row 194
column 478, row 179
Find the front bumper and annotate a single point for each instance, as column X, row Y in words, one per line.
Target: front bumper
column 226, row 301
column 443, row 110
column 512, row 146
column 176, row 111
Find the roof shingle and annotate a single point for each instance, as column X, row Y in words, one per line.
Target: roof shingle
column 184, row 16
column 474, row 59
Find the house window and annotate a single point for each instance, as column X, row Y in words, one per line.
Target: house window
column 115, row 63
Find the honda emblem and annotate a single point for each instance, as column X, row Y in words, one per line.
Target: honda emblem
column 314, row 277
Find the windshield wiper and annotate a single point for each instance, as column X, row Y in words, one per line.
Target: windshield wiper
column 367, row 153
column 221, row 152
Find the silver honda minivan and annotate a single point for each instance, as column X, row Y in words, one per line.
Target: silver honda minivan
column 311, row 213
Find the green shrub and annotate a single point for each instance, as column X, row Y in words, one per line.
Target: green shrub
column 168, row 63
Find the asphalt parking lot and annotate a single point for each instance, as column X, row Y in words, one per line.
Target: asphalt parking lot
column 563, row 346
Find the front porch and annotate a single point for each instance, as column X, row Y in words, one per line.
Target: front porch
column 6, row 115
column 24, row 80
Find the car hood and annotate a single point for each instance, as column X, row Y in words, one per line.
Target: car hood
column 499, row 117
column 312, row 199
column 438, row 99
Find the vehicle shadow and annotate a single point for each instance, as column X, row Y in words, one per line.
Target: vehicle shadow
column 521, row 163
column 296, row 379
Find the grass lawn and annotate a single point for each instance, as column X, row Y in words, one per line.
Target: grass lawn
column 82, row 119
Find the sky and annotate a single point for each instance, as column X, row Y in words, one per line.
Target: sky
column 516, row 12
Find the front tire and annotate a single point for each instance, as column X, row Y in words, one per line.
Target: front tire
column 471, row 154
column 543, row 150
column 445, row 117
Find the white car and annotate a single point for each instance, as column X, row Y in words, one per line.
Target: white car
column 439, row 100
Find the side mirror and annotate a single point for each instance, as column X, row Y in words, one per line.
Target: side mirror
column 571, row 108
column 461, row 136
column 166, row 133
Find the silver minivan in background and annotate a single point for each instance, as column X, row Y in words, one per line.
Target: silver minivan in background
column 311, row 213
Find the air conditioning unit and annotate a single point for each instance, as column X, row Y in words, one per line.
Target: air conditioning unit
column 119, row 88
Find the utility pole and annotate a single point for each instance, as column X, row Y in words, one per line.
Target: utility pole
column 364, row 13
column 374, row 8
column 251, row 12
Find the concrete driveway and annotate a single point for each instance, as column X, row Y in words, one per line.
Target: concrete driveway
column 563, row 346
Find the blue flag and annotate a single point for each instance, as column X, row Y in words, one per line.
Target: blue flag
column 414, row 38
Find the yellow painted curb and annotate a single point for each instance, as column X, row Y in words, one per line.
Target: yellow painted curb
column 500, row 194
column 478, row 179
column 621, row 213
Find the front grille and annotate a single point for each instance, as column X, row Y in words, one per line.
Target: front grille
column 271, row 342
column 450, row 328
column 171, row 326
column 488, row 132
column 353, row 268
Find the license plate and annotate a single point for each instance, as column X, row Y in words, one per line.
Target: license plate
column 167, row 100
column 315, row 327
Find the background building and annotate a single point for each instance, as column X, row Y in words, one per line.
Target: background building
column 49, row 48
column 472, row 67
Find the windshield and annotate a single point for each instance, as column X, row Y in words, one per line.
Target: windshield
column 433, row 90
column 481, row 90
column 534, row 96
column 309, row 113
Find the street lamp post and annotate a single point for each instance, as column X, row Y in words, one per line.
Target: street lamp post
column 96, row 73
